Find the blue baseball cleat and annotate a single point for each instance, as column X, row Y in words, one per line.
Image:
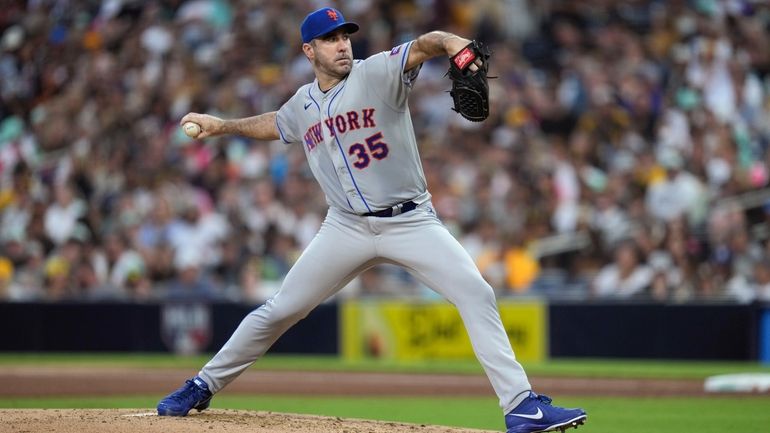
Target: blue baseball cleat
column 194, row 394
column 536, row 414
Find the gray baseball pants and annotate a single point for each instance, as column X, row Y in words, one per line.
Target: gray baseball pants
column 347, row 244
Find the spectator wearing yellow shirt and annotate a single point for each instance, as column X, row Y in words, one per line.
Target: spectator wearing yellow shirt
column 521, row 266
column 6, row 278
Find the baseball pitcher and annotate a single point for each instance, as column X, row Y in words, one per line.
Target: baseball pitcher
column 354, row 125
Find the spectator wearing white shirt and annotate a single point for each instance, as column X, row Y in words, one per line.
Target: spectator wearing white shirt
column 61, row 217
column 679, row 193
column 756, row 287
column 625, row 277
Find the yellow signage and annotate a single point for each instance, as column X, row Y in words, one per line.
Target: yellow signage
column 400, row 330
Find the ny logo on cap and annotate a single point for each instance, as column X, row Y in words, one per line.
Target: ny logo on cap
column 332, row 14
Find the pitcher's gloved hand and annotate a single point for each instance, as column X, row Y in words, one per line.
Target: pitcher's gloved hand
column 470, row 91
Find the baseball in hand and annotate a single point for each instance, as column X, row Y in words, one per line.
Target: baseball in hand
column 192, row 129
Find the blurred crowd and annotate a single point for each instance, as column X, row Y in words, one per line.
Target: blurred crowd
column 626, row 155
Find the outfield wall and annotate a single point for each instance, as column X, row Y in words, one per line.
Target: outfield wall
column 654, row 331
column 144, row 327
column 402, row 330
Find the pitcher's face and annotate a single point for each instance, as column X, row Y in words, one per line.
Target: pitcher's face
column 331, row 54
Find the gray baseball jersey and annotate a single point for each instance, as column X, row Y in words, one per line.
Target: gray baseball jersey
column 360, row 144
column 358, row 135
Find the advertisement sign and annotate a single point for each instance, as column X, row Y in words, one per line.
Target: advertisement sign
column 186, row 328
column 408, row 331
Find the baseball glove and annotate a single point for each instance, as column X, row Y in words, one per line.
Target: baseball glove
column 470, row 91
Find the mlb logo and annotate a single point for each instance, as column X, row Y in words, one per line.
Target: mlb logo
column 186, row 328
column 395, row 50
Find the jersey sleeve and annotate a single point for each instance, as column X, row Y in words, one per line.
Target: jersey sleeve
column 286, row 120
column 386, row 73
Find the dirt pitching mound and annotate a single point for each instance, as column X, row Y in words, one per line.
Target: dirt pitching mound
column 146, row 421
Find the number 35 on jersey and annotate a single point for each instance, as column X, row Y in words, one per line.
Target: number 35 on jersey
column 371, row 147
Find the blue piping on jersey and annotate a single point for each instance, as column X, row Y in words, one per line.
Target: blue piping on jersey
column 310, row 95
column 403, row 56
column 313, row 99
column 280, row 132
column 339, row 145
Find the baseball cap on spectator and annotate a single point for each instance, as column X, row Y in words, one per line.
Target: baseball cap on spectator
column 323, row 21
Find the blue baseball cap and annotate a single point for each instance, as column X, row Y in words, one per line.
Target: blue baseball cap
column 323, row 21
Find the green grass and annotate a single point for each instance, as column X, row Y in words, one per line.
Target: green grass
column 606, row 415
column 560, row 367
column 660, row 369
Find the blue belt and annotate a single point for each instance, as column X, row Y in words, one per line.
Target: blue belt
column 393, row 211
